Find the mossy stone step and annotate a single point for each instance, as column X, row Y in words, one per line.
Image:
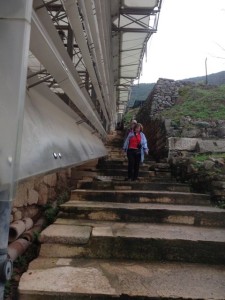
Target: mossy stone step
column 133, row 196
column 109, row 172
column 134, row 185
column 144, row 212
column 123, row 166
column 141, row 241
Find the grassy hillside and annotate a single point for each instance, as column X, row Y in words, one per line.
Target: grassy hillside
column 214, row 79
column 199, row 102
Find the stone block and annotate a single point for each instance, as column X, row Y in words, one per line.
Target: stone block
column 68, row 171
column 62, row 180
column 32, row 197
column 31, row 211
column 219, row 184
column 51, row 194
column 221, row 132
column 43, row 194
column 66, row 234
column 50, row 179
column 21, row 196
column 214, row 146
column 208, row 164
column 188, row 144
column 11, row 218
column 191, row 133
column 17, row 215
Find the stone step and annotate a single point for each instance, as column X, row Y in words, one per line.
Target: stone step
column 122, row 160
column 110, row 172
column 123, row 166
column 113, row 148
column 144, row 212
column 117, row 240
column 133, row 196
column 122, row 179
column 133, row 185
column 78, row 279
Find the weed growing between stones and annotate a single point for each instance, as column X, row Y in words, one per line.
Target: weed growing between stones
column 51, row 209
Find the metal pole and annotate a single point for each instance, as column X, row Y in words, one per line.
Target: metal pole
column 15, row 17
column 206, row 75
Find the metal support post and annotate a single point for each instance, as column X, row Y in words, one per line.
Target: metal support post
column 15, row 17
column 70, row 39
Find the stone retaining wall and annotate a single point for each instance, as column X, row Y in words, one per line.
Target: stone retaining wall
column 163, row 96
column 32, row 194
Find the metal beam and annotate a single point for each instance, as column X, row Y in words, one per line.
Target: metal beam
column 46, row 4
column 138, row 30
column 139, row 11
column 48, row 48
column 50, row 126
column 15, row 17
column 77, row 26
column 95, row 44
column 136, row 21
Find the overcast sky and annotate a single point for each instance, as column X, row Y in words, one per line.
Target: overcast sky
column 189, row 31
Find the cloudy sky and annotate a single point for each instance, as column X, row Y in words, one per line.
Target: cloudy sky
column 189, row 31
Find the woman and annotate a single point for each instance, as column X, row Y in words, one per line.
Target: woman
column 135, row 146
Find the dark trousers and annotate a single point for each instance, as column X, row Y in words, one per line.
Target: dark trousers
column 134, row 158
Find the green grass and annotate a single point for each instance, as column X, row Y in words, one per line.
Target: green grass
column 203, row 157
column 130, row 115
column 206, row 104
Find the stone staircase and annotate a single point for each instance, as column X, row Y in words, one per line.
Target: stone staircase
column 151, row 239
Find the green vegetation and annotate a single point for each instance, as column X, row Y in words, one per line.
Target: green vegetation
column 129, row 116
column 198, row 102
column 51, row 209
column 221, row 204
column 203, row 157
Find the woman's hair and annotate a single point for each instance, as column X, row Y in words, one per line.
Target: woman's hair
column 138, row 125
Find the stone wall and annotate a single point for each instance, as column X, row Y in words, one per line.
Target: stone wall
column 32, row 194
column 163, row 96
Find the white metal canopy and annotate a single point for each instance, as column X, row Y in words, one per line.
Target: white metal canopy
column 106, row 41
column 83, row 58
column 134, row 21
